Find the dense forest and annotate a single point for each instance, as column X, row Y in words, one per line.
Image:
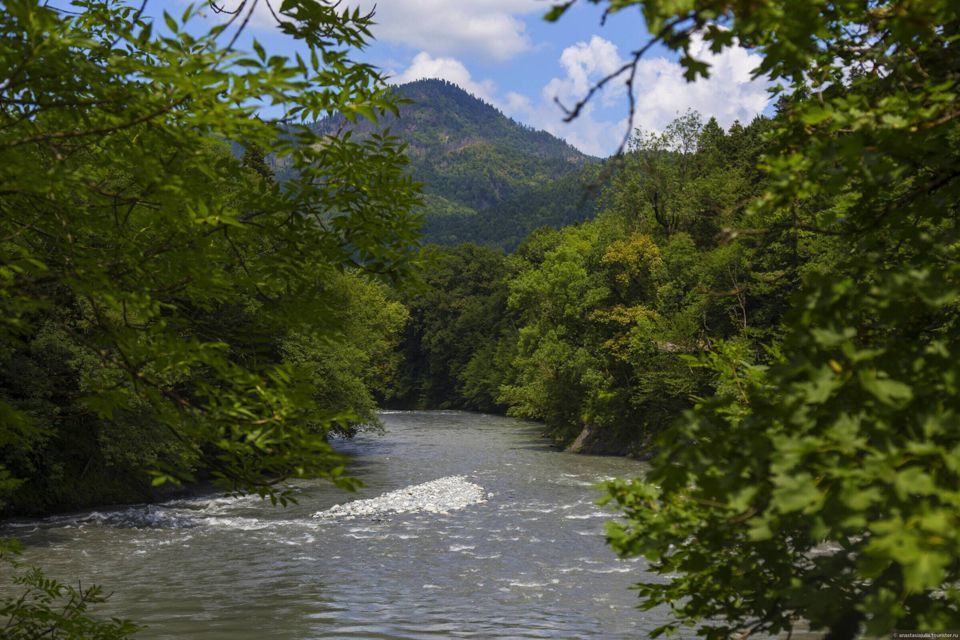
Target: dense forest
column 193, row 292
column 171, row 312
column 597, row 329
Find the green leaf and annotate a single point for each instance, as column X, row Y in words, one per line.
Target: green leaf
column 925, row 571
column 796, row 493
column 557, row 11
column 914, row 481
column 884, row 389
column 171, row 22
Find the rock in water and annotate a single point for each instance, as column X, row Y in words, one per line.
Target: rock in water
column 437, row 496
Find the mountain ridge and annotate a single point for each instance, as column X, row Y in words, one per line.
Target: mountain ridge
column 488, row 179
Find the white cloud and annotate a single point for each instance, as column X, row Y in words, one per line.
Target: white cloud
column 517, row 103
column 489, row 28
column 662, row 93
column 584, row 63
column 426, row 66
column 729, row 93
column 444, row 29
column 261, row 17
column 587, row 133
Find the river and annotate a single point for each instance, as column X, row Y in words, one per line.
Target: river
column 523, row 558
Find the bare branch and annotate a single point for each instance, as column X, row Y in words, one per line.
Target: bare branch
column 629, row 68
column 82, row 133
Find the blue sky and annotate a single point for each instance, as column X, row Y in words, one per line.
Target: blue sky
column 504, row 52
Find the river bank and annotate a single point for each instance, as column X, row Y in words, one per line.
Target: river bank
column 138, row 491
column 589, row 440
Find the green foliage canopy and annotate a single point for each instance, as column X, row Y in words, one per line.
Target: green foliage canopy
column 826, row 489
column 138, row 251
column 459, row 337
column 607, row 310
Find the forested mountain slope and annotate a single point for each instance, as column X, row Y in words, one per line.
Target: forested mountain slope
column 487, row 179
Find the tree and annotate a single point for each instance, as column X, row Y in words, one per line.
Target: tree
column 161, row 274
column 452, row 343
column 825, row 488
column 684, row 179
column 553, row 295
column 664, row 182
column 607, row 311
column 164, row 302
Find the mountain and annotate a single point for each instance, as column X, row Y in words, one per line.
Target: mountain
column 487, row 179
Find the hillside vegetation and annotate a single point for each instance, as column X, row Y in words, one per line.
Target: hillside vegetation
column 590, row 328
column 486, row 178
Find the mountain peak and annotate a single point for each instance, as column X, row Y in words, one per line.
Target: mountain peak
column 444, row 104
column 487, row 178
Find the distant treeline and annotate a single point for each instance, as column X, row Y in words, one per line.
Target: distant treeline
column 600, row 326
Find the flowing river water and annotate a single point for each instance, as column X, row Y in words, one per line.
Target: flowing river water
column 513, row 549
